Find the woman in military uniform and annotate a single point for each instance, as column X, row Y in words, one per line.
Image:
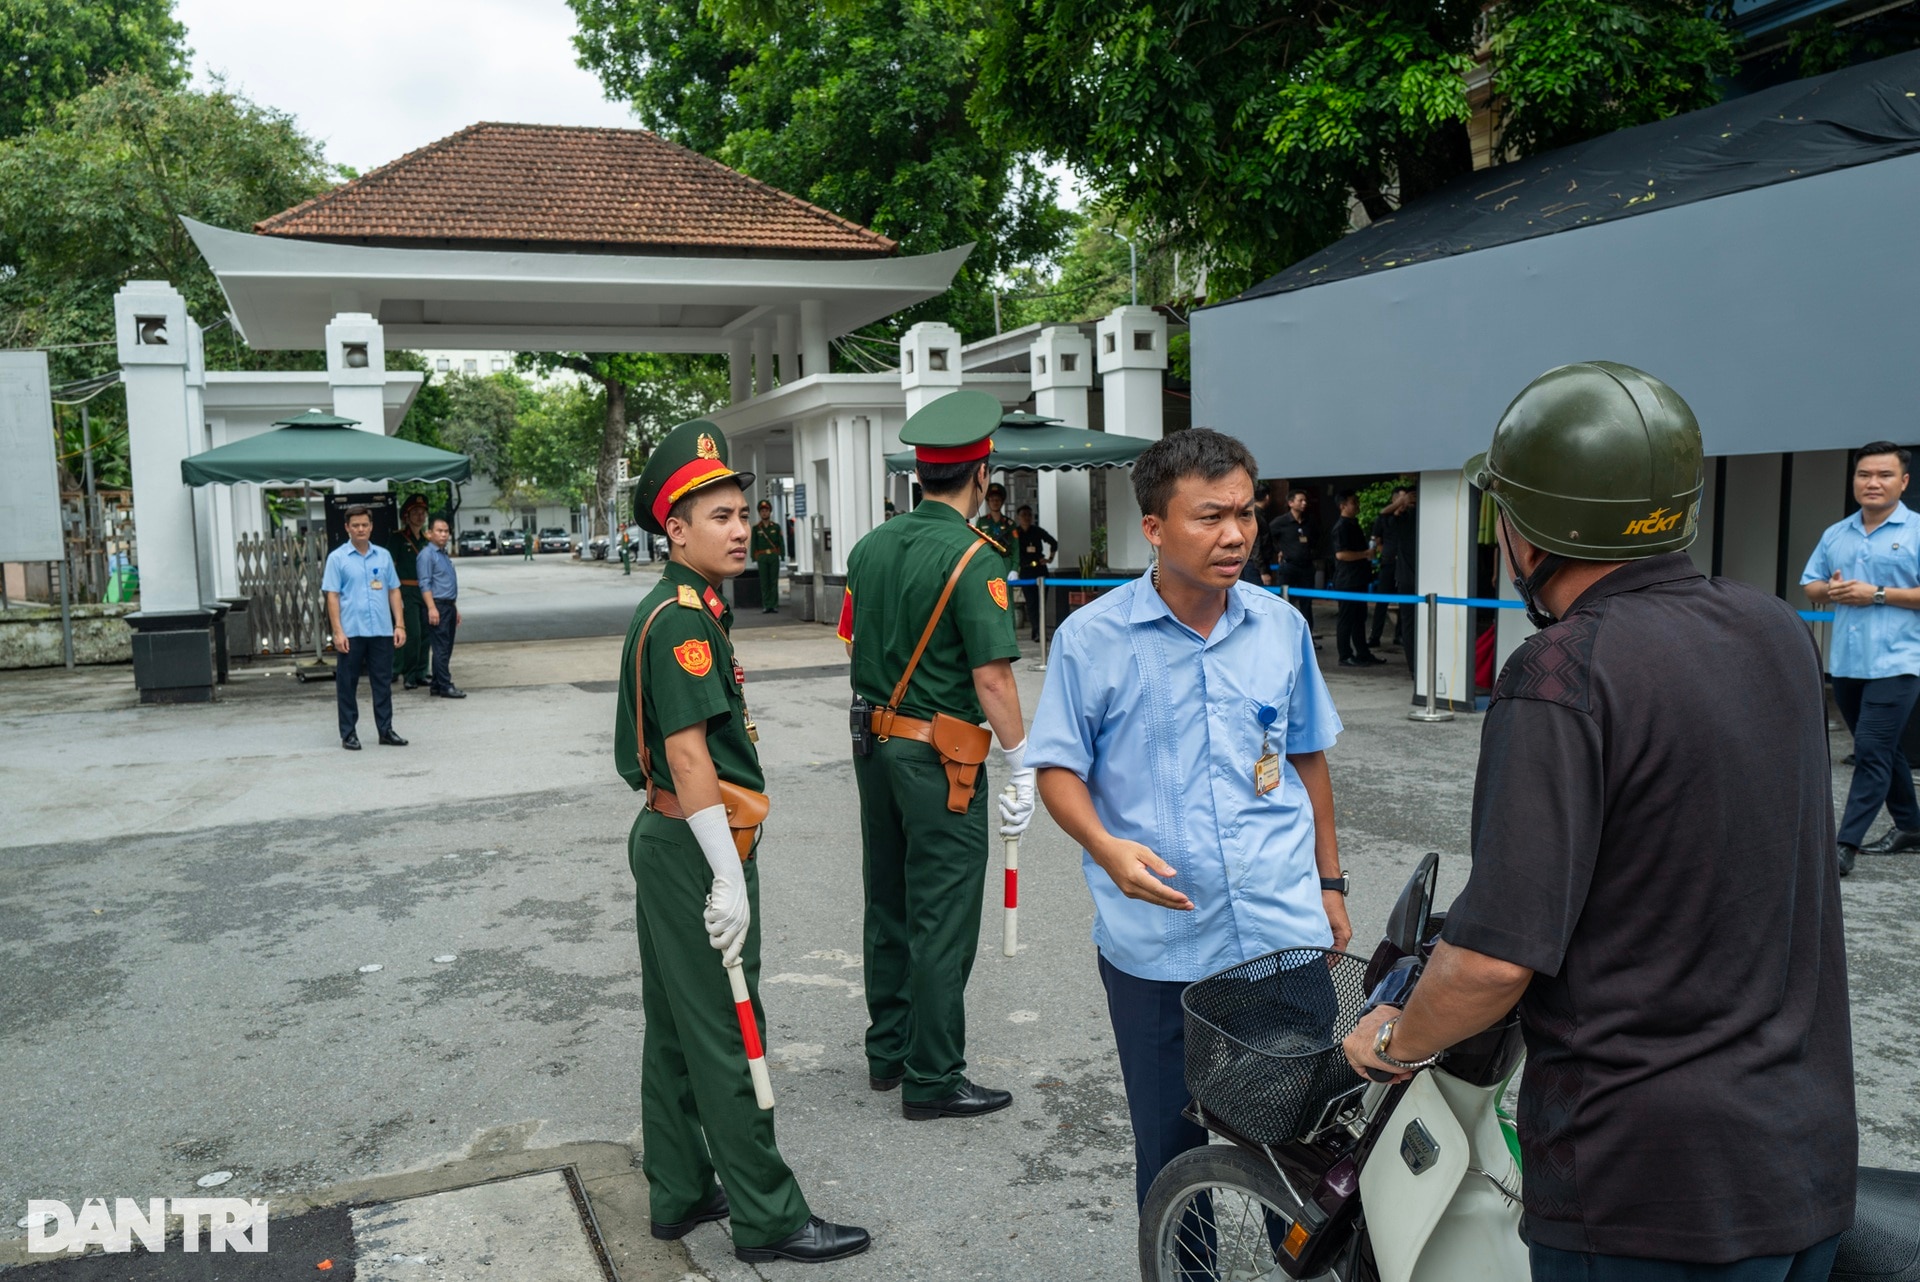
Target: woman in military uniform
column 682, row 733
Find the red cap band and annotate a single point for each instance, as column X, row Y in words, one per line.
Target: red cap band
column 677, row 486
column 953, row 453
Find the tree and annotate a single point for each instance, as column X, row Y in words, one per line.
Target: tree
column 1241, row 131
column 481, row 416
column 858, row 106
column 54, row 50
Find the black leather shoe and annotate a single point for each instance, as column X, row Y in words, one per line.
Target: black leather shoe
column 411, row 685
column 451, row 692
column 351, row 743
column 969, row 1101
column 1352, row 663
column 392, row 740
column 884, row 1084
column 716, row 1208
column 1894, row 841
column 1847, row 855
column 814, row 1242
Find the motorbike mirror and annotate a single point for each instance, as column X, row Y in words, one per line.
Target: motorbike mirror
column 1407, row 923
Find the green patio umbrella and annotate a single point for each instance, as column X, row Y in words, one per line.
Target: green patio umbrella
column 322, row 447
column 1030, row 442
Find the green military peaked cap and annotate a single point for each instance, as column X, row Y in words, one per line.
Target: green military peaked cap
column 1598, row 461
column 692, row 457
column 957, row 428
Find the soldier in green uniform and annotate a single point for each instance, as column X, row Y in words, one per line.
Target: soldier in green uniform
column 695, row 891
column 923, row 797
column 769, row 549
column 998, row 526
column 404, row 544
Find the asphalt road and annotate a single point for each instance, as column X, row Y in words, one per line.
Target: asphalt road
column 190, row 900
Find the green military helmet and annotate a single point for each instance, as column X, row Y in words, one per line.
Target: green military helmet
column 957, row 428
column 1597, row 461
column 691, row 457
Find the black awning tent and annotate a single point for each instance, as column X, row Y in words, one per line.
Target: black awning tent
column 1759, row 256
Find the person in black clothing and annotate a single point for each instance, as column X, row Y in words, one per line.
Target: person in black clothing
column 1259, row 564
column 1290, row 539
column 1387, row 576
column 1351, row 570
column 1028, row 538
column 1405, row 533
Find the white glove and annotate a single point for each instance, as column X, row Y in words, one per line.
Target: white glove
column 1016, row 812
column 727, row 912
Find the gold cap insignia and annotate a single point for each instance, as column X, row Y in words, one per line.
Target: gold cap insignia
column 706, row 448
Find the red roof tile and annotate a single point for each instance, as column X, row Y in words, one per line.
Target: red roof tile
column 553, row 187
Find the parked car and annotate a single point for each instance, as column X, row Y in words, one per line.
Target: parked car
column 554, row 539
column 511, row 541
column 598, row 546
column 477, row 543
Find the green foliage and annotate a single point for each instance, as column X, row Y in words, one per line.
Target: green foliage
column 53, row 50
column 1819, row 46
column 553, row 449
column 858, row 106
column 428, row 414
column 1571, row 69
column 1376, row 496
column 1240, row 131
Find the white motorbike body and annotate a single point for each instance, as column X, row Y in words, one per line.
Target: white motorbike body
column 1441, row 1188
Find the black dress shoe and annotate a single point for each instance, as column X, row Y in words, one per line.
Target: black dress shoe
column 968, row 1101
column 1847, row 855
column 451, row 692
column 392, row 740
column 1352, row 663
column 351, row 743
column 715, row 1208
column 884, row 1084
column 1894, row 841
column 814, row 1242
column 411, row 685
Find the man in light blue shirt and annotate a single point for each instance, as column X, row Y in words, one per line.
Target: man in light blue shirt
column 439, row 592
column 363, row 605
column 1181, row 739
column 1867, row 568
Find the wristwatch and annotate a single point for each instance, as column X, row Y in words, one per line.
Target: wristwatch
column 1340, row 883
column 1879, row 596
column 1385, row 1036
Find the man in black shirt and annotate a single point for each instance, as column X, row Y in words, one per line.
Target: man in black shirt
column 1352, row 568
column 1383, row 537
column 1028, row 539
column 1291, row 538
column 1653, row 878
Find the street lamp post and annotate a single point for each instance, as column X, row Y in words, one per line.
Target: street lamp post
column 1133, row 263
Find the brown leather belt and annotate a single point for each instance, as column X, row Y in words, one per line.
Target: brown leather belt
column 900, row 727
column 961, row 748
column 663, row 802
column 409, row 583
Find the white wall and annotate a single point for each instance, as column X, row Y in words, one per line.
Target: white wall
column 1449, row 517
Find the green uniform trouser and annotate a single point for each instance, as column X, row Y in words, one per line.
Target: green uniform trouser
column 925, row 869
column 769, row 582
column 697, row 1112
column 410, row 664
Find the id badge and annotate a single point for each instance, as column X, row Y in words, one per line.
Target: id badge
column 1266, row 774
column 373, row 585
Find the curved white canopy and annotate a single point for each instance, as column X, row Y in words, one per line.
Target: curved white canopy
column 283, row 291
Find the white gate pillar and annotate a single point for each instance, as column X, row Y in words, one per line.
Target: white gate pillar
column 1131, row 351
column 1062, row 359
column 1449, row 519
column 357, row 374
column 814, row 357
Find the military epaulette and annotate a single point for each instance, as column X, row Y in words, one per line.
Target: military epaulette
column 689, row 598
column 997, row 545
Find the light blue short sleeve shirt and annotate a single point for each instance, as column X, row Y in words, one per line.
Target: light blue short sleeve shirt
column 362, row 580
column 1871, row 641
column 1164, row 727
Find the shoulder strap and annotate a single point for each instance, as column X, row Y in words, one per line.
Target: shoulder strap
column 933, row 621
column 639, row 693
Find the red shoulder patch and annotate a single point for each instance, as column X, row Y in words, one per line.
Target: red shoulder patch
column 715, row 605
column 695, row 656
column 997, row 589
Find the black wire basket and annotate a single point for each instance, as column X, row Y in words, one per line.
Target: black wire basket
column 1263, row 1040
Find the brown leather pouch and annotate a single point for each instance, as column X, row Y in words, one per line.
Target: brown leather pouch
column 962, row 747
column 746, row 811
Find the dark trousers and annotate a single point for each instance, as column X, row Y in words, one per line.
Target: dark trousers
column 410, row 660
column 1150, row 1032
column 373, row 656
column 1876, row 712
column 1350, row 628
column 1553, row 1265
column 1031, row 596
column 1379, row 625
column 441, row 639
column 1299, row 576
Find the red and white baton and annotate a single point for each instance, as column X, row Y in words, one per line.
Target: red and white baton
column 750, row 1036
column 1010, row 935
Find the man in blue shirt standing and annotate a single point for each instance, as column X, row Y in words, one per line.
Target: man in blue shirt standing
column 1181, row 739
column 363, row 605
column 439, row 588
column 1867, row 568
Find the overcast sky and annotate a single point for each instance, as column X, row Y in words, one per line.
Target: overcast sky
column 373, row 81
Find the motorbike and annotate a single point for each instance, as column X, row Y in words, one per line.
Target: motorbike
column 1324, row 1174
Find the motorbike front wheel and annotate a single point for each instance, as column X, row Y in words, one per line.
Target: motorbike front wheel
column 1217, row 1213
